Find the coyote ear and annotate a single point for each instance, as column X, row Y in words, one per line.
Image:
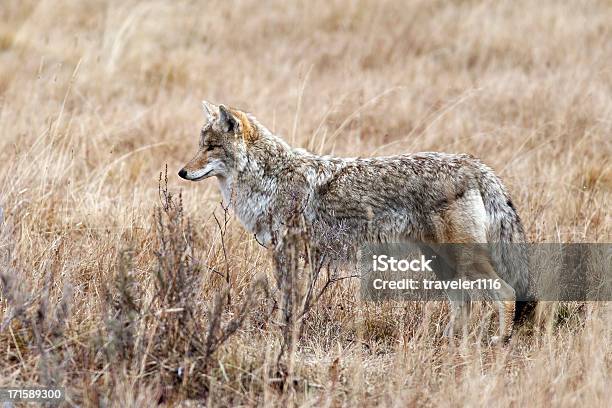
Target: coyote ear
column 209, row 110
column 227, row 121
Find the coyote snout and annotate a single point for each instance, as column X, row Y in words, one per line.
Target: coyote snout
column 198, row 169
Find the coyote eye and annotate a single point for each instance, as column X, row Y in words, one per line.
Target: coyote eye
column 211, row 147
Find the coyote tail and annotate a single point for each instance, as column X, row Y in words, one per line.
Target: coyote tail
column 509, row 249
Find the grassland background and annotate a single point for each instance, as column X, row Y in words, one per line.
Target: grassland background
column 96, row 97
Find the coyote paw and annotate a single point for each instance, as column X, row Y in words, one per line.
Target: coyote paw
column 455, row 328
column 449, row 330
column 499, row 340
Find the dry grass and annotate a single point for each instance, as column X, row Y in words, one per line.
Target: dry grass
column 97, row 97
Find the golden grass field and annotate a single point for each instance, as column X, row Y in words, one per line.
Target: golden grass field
column 97, row 97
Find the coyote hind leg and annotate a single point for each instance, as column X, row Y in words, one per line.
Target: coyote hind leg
column 504, row 298
column 464, row 224
column 460, row 314
column 461, row 305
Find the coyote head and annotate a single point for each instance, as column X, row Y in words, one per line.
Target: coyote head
column 223, row 140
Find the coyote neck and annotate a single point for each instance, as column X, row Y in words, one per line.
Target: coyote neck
column 273, row 181
column 253, row 191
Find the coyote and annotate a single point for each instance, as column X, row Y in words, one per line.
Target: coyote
column 421, row 197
